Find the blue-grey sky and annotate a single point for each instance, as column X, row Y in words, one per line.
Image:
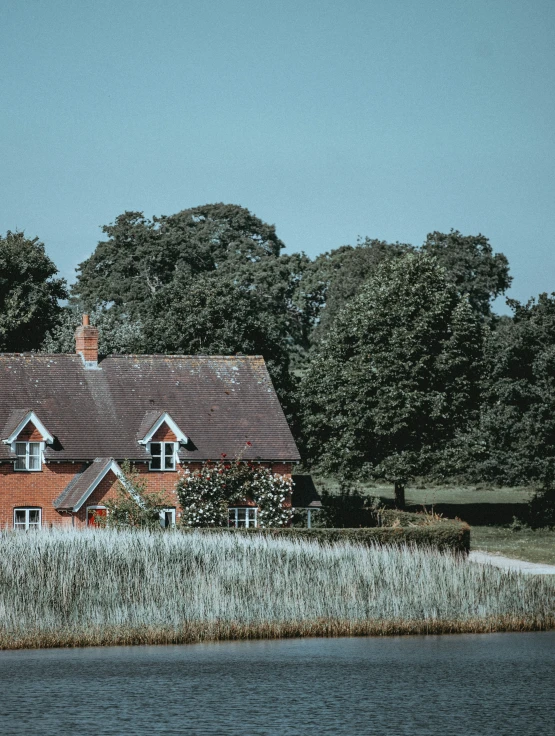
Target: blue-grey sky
column 332, row 120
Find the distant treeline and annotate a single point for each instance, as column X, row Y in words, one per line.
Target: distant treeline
column 387, row 357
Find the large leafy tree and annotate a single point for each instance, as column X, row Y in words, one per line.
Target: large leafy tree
column 515, row 440
column 472, row 266
column 142, row 256
column 29, row 292
column 335, row 277
column 396, row 377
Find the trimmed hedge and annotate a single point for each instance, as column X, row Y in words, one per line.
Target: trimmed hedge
column 451, row 536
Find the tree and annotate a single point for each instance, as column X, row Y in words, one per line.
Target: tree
column 397, row 376
column 142, row 256
column 29, row 293
column 470, row 263
column 335, row 277
column 514, row 442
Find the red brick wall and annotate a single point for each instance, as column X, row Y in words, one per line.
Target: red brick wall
column 164, row 434
column 30, row 433
column 39, row 489
column 23, row 488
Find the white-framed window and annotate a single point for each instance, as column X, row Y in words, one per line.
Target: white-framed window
column 28, row 456
column 163, row 455
column 242, row 516
column 27, row 518
column 167, row 518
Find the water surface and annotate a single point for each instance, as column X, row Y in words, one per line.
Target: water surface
column 495, row 684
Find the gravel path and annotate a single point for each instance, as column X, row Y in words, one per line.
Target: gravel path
column 507, row 563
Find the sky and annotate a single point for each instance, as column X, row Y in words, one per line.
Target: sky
column 332, row 120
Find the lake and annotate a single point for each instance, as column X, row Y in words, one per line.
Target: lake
column 465, row 684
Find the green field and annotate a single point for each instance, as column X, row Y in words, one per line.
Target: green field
column 527, row 544
column 430, row 495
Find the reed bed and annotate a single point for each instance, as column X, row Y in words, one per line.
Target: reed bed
column 97, row 587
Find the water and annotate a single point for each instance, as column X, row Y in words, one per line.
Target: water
column 496, row 684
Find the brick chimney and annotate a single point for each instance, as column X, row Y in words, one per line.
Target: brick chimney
column 86, row 343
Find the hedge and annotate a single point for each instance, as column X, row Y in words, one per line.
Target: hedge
column 451, row 536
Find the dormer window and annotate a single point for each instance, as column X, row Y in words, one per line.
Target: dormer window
column 163, row 455
column 28, row 455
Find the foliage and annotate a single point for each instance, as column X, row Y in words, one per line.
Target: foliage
column 117, row 333
column 397, row 377
column 29, row 292
column 515, row 439
column 103, row 586
column 471, row 265
column 335, row 277
column 206, row 494
column 134, row 506
column 141, row 256
column 447, row 536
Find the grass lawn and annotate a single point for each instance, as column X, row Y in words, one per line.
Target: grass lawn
column 430, row 495
column 526, row 544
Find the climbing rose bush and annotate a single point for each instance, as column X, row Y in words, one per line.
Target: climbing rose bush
column 206, row 494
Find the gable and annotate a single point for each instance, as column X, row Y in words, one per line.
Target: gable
column 24, row 424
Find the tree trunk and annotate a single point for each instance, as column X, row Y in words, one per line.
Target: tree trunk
column 399, row 495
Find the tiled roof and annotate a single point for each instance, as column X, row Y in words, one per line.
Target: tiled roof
column 83, row 484
column 15, row 417
column 219, row 402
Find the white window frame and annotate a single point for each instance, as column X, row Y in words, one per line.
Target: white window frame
column 170, row 510
column 26, row 525
column 92, row 508
column 251, row 517
column 163, row 456
column 27, row 456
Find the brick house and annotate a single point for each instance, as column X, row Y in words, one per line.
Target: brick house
column 67, row 422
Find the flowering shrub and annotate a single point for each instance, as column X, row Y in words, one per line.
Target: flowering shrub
column 206, row 494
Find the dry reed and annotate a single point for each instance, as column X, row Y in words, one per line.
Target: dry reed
column 64, row 588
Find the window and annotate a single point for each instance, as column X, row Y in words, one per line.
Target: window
column 167, row 518
column 28, row 456
column 163, row 455
column 242, row 517
column 26, row 518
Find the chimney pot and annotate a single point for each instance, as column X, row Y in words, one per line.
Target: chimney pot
column 86, row 321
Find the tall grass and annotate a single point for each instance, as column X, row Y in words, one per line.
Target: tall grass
column 64, row 588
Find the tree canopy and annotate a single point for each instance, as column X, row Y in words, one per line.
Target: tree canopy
column 514, row 442
column 142, row 256
column 472, row 266
column 397, row 375
column 29, row 292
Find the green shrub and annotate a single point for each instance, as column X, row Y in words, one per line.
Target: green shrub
column 446, row 536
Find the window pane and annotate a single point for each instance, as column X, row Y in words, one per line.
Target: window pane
column 155, row 448
column 19, row 516
column 20, row 463
column 155, row 463
column 21, row 449
column 34, row 463
column 169, row 463
column 34, row 449
column 34, row 516
column 231, row 517
column 168, row 447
